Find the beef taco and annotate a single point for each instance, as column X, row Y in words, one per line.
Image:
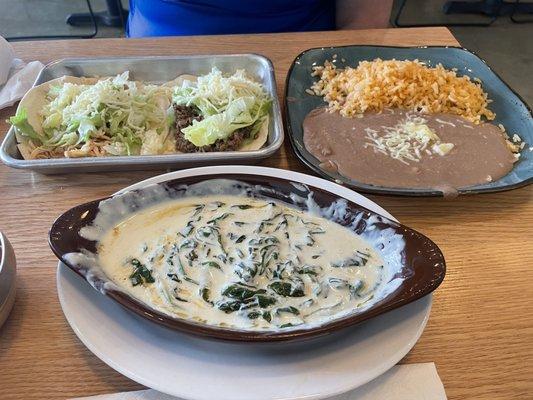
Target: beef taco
column 215, row 112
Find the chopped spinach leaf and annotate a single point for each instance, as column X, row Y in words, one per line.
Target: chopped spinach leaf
column 212, row 264
column 265, row 301
column 140, row 274
column 241, row 292
column 229, row 306
column 174, row 277
column 243, row 206
column 266, row 316
column 286, row 289
column 254, row 315
column 290, row 310
column 204, row 292
column 219, row 218
column 287, row 325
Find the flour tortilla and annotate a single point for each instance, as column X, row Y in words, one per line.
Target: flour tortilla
column 260, row 139
column 34, row 101
column 178, row 81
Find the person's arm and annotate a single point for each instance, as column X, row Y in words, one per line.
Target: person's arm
column 363, row 14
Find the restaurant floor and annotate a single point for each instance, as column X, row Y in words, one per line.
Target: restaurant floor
column 506, row 46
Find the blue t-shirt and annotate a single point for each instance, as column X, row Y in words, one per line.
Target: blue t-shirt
column 205, row 17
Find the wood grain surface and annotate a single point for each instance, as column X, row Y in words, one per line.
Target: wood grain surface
column 480, row 333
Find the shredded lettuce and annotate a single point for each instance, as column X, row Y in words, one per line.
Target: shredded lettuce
column 226, row 103
column 20, row 122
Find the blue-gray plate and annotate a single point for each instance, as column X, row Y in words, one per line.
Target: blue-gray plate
column 510, row 108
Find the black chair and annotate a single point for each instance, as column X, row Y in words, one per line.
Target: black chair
column 490, row 8
column 113, row 16
column 521, row 8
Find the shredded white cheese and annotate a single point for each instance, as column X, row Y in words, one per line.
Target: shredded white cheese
column 442, row 148
column 407, row 140
column 440, row 121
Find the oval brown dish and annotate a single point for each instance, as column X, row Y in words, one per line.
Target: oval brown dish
column 421, row 269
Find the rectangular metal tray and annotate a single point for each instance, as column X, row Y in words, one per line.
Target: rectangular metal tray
column 156, row 70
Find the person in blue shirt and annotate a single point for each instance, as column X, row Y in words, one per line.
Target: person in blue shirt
column 210, row 17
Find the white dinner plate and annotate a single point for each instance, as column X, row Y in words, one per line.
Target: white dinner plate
column 201, row 369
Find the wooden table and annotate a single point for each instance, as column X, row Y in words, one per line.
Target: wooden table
column 480, row 334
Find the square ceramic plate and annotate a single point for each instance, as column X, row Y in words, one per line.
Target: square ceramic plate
column 510, row 109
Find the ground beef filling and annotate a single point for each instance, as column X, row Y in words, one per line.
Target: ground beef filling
column 185, row 115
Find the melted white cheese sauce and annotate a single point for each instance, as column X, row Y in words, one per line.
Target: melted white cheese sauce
column 243, row 263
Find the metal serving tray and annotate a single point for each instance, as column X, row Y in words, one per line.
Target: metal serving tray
column 156, row 70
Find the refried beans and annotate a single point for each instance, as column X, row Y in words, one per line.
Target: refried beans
column 479, row 154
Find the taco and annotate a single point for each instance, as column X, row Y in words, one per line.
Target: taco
column 215, row 112
column 91, row 117
column 28, row 121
